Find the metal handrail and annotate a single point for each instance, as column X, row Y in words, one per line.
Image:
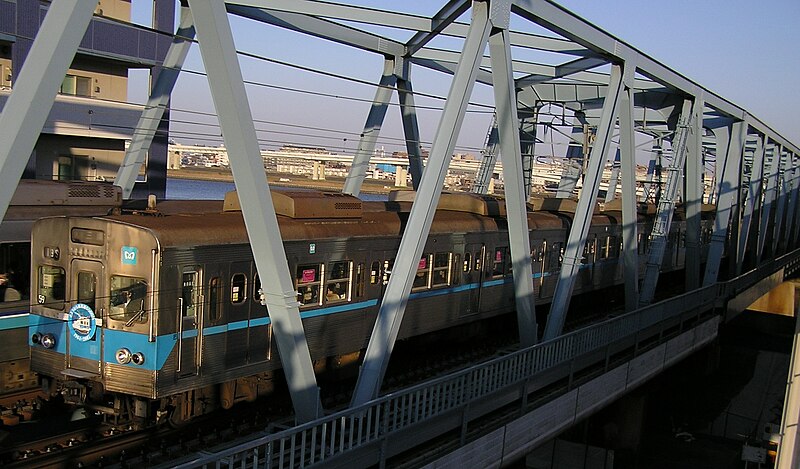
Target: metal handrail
column 349, row 429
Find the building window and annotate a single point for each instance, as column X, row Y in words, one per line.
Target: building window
column 76, row 86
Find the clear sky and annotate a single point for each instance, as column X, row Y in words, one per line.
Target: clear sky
column 744, row 52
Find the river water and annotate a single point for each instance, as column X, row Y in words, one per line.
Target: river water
column 192, row 189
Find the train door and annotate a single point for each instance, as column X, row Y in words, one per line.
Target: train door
column 190, row 316
column 473, row 272
column 85, row 340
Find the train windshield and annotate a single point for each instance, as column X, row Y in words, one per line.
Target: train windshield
column 51, row 287
column 128, row 299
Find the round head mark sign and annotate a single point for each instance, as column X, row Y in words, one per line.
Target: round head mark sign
column 82, row 322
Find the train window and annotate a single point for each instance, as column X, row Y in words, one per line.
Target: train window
column 542, row 252
column 15, row 262
column 558, row 253
column 387, row 270
column 87, row 282
column 422, row 278
column 613, row 247
column 308, row 278
column 238, row 288
column 337, row 286
column 467, row 261
column 499, row 263
column 215, row 299
column 441, row 268
column 478, row 263
column 51, row 287
column 589, row 251
column 374, row 272
column 256, row 289
column 454, row 277
column 360, row 279
column 127, row 299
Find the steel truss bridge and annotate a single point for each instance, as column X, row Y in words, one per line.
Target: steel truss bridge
column 600, row 82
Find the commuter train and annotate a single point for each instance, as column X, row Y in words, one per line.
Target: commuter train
column 156, row 315
column 32, row 200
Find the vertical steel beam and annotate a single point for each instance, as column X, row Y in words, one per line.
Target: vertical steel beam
column 490, row 153
column 573, row 164
column 666, row 204
column 236, row 121
column 754, row 194
column 585, row 208
column 734, row 138
column 395, row 298
column 693, row 200
column 613, row 180
column 783, row 190
column 26, row 110
column 769, row 199
column 410, row 126
column 627, row 148
column 372, row 128
column 156, row 105
column 505, row 99
column 795, row 237
column 791, row 202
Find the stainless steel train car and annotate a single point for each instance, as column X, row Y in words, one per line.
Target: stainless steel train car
column 32, row 200
column 157, row 315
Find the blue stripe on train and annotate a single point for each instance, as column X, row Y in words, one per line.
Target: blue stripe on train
column 163, row 345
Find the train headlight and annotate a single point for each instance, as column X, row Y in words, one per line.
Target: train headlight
column 138, row 358
column 36, row 338
column 123, row 356
column 48, row 341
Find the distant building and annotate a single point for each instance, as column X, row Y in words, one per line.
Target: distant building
column 85, row 135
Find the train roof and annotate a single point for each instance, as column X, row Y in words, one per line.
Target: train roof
column 317, row 215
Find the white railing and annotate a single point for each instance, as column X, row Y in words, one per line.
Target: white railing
column 335, row 435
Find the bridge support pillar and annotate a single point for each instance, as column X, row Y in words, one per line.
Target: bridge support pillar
column 410, row 127
column 769, row 199
column 693, row 200
column 230, row 100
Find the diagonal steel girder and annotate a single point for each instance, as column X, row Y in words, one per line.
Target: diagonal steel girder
column 372, row 128
column 767, row 212
column 441, row 20
column 754, row 192
column 236, row 121
column 693, row 195
column 630, row 219
column 511, row 154
column 666, row 206
column 731, row 140
column 395, row 298
column 35, row 88
column 156, row 105
column 583, row 213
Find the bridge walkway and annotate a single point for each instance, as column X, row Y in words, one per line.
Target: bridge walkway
column 499, row 410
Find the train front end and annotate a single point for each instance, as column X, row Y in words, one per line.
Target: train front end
column 92, row 322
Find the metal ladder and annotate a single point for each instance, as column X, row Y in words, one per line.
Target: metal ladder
column 486, row 169
column 666, row 206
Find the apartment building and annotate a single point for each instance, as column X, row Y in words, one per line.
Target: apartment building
column 91, row 121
